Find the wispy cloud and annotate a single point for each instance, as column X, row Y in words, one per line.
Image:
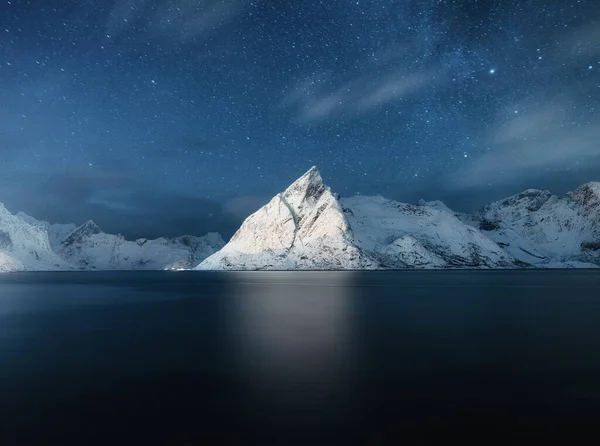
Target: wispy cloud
column 316, row 98
column 546, row 139
column 584, row 41
column 177, row 20
column 393, row 88
column 550, row 131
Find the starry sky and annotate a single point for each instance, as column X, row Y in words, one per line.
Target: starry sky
column 182, row 116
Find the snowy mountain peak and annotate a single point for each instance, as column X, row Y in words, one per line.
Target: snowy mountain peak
column 311, row 175
column 306, row 227
column 303, row 227
column 90, row 248
column 587, row 195
column 24, row 245
column 530, row 199
column 84, row 231
column 91, row 226
column 436, row 204
column 30, row 244
column 540, row 228
column 309, row 187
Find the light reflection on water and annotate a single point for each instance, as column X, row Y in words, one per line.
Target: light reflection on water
column 291, row 345
column 213, row 358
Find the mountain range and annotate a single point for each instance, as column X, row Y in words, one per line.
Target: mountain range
column 307, row 226
column 27, row 244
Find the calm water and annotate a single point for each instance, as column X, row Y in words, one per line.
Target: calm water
column 302, row 358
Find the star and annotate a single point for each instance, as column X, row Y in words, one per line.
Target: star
column 249, row 102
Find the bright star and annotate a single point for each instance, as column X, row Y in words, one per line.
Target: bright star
column 493, row 71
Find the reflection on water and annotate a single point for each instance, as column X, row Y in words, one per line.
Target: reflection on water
column 294, row 349
column 304, row 358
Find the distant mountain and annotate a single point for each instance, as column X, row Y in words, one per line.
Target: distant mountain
column 30, row 244
column 307, row 227
column 402, row 235
column 88, row 247
column 56, row 232
column 25, row 246
column 546, row 230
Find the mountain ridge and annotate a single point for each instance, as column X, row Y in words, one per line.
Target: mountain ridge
column 29, row 244
column 307, row 226
column 321, row 231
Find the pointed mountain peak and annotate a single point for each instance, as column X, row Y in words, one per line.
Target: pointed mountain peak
column 436, row 204
column 312, row 173
column 311, row 176
column 530, row 199
column 90, row 227
column 308, row 186
column 84, row 231
column 587, row 194
column 592, row 186
column 303, row 227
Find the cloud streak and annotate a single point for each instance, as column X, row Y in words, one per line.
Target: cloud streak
column 315, row 100
column 177, row 20
column 541, row 141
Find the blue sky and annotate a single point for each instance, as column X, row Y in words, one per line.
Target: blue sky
column 165, row 117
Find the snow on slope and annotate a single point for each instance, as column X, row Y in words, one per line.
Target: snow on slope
column 302, row 228
column 56, row 232
column 8, row 264
column 25, row 246
column 29, row 244
column 89, row 248
column 540, row 228
column 404, row 236
column 306, row 227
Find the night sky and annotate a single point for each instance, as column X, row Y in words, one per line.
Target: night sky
column 182, row 116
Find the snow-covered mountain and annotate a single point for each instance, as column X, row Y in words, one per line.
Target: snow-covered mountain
column 89, row 248
column 401, row 235
column 303, row 227
column 25, row 246
column 546, row 230
column 30, row 244
column 56, row 232
column 307, row 227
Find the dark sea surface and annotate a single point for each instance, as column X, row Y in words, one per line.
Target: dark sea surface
column 310, row 358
